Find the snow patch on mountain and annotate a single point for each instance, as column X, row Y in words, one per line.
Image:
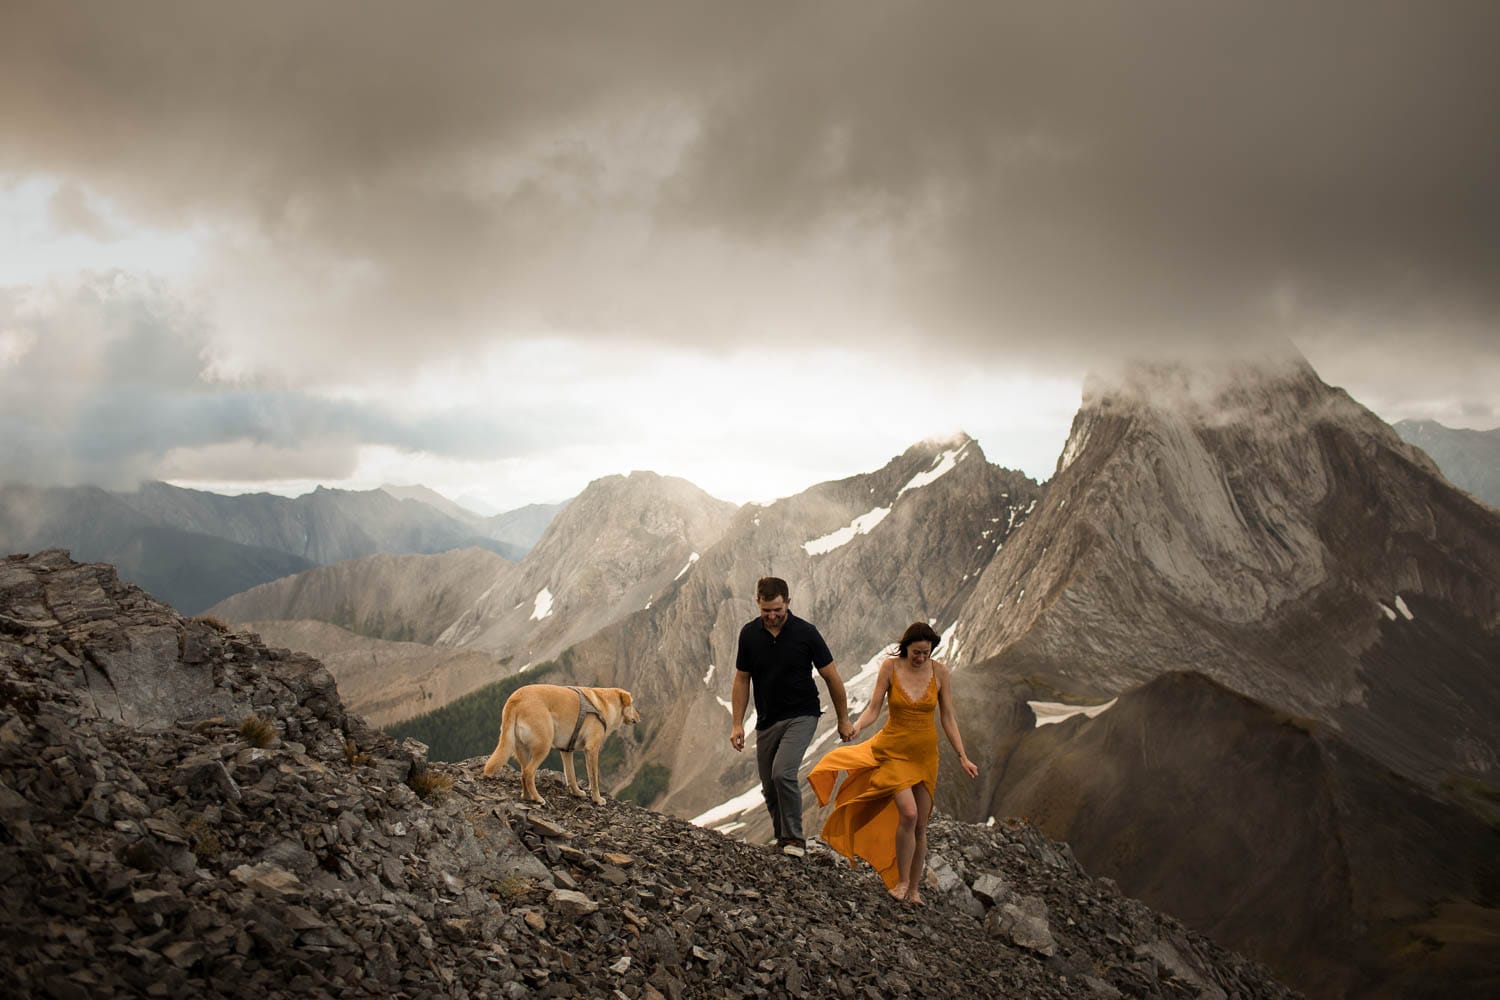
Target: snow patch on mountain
column 543, row 606
column 689, row 565
column 941, row 466
column 861, row 525
column 1048, row 712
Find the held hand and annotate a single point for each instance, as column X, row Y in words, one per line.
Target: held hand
column 847, row 731
column 737, row 737
column 970, row 768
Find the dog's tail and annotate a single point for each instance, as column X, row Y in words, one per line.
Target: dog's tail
column 503, row 749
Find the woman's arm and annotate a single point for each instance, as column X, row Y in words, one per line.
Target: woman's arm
column 877, row 698
column 950, row 722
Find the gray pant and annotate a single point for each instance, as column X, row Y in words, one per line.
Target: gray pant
column 779, row 749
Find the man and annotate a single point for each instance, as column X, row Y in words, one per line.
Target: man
column 778, row 653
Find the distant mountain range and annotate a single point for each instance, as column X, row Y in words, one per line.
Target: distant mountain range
column 1470, row 459
column 193, row 548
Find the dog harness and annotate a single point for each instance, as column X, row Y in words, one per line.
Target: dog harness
column 585, row 707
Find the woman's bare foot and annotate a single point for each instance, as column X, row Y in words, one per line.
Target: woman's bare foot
column 899, row 892
column 915, row 898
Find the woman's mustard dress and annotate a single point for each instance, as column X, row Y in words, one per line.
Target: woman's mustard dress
column 902, row 755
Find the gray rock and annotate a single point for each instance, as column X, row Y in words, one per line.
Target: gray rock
column 571, row 903
column 990, row 889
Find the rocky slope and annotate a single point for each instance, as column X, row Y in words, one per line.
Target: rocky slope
column 1469, row 458
column 1224, row 811
column 149, row 846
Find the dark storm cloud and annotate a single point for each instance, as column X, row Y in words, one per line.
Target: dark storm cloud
column 1054, row 179
column 107, row 383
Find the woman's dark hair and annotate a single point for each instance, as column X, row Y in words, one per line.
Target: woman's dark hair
column 918, row 632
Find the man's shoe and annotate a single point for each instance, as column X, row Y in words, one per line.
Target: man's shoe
column 794, row 848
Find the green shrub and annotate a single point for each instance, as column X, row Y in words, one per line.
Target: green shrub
column 648, row 785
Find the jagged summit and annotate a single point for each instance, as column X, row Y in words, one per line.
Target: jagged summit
column 177, row 852
column 1186, row 504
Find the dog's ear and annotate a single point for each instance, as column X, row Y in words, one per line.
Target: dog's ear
column 625, row 698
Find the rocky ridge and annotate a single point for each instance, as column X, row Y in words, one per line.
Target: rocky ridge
column 150, row 845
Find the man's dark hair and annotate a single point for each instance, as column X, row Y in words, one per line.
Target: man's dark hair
column 768, row 588
column 918, row 632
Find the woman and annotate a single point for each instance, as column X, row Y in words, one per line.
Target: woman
column 882, row 808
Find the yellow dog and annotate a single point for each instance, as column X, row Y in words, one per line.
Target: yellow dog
column 542, row 717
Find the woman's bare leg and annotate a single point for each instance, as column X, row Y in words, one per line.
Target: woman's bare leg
column 923, row 801
column 906, row 841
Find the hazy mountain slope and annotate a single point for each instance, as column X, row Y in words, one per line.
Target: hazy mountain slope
column 88, row 521
column 1469, row 458
column 324, row 526
column 934, row 515
column 1226, row 812
column 191, row 571
column 432, row 498
column 385, row 681
column 512, row 533
column 524, row 526
column 406, row 598
column 186, row 569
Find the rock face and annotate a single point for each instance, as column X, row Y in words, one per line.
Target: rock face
column 180, row 853
column 1258, row 526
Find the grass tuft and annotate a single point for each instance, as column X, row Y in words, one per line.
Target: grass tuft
column 214, row 622
column 431, row 784
column 257, row 731
column 206, row 844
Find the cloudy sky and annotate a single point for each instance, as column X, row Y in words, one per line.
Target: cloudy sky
column 503, row 249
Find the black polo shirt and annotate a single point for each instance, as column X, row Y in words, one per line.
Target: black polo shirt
column 781, row 668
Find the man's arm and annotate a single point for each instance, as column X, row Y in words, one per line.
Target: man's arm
column 738, row 700
column 830, row 675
